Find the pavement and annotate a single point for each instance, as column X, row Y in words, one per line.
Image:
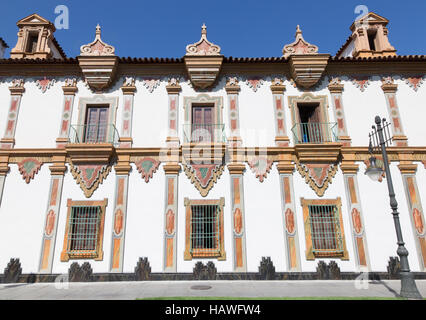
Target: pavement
column 254, row 289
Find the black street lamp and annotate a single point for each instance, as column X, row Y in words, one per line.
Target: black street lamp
column 380, row 137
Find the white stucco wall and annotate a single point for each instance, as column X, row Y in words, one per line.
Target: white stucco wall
column 22, row 216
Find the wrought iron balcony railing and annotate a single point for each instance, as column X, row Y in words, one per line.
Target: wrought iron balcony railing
column 94, row 133
column 204, row 133
column 315, row 132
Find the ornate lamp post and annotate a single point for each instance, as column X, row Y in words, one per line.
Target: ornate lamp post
column 379, row 139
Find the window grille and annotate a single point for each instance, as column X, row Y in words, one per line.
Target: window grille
column 205, row 228
column 325, row 229
column 83, row 230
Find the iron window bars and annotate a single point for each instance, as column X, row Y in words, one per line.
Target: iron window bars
column 84, row 224
column 205, row 236
column 325, row 230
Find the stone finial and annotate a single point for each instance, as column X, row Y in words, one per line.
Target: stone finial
column 12, row 271
column 80, row 274
column 299, row 46
column 142, row 270
column 204, row 272
column 203, row 47
column 267, row 269
column 97, row 47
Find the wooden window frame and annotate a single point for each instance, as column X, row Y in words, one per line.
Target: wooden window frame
column 310, row 254
column 204, row 254
column 98, row 253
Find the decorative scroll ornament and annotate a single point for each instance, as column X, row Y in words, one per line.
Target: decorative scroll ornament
column 361, row 82
column 29, row 168
column 203, row 176
column 70, row 82
column 147, row 167
column 170, row 222
column 317, row 175
column 254, row 83
column 129, row 82
column 17, row 83
column 50, row 222
column 414, row 82
column 89, row 176
column 118, row 221
column 418, row 222
column 45, row 84
column 289, row 221
column 238, row 221
column 356, row 220
column 203, row 47
column 151, row 84
column 260, row 165
column 97, row 47
column 299, row 46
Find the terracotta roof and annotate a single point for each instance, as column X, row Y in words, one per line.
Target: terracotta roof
column 2, row 42
column 389, row 58
column 342, row 48
column 226, row 59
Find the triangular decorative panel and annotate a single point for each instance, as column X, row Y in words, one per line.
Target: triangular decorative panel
column 203, row 176
column 89, row 176
column 317, row 175
column 29, row 168
column 260, row 165
column 147, row 166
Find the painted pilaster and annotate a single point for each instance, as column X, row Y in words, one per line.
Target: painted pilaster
column 232, row 89
column 16, row 91
column 389, row 89
column 4, row 169
column 408, row 173
column 57, row 171
column 336, row 88
column 291, row 238
column 173, row 88
column 356, row 215
column 128, row 88
column 70, row 89
column 236, row 171
column 122, row 169
column 170, row 217
column 281, row 137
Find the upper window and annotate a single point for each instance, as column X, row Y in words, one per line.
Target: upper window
column 96, row 124
column 371, row 34
column 202, row 128
column 32, row 43
column 324, row 229
column 84, row 230
column 204, row 227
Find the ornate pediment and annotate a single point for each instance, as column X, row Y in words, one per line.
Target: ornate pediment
column 203, row 61
column 203, row 47
column 299, row 46
column 306, row 64
column 98, row 62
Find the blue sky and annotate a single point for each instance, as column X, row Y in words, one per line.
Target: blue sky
column 243, row 28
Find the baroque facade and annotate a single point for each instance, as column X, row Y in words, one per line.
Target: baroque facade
column 105, row 159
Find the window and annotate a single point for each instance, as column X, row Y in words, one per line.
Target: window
column 204, row 229
column 371, row 34
column 202, row 128
column 96, row 124
column 310, row 122
column 32, row 43
column 84, row 230
column 325, row 229
column 324, row 232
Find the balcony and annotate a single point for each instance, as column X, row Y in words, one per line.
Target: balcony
column 316, row 142
column 92, row 144
column 315, row 132
column 204, row 133
column 94, row 134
